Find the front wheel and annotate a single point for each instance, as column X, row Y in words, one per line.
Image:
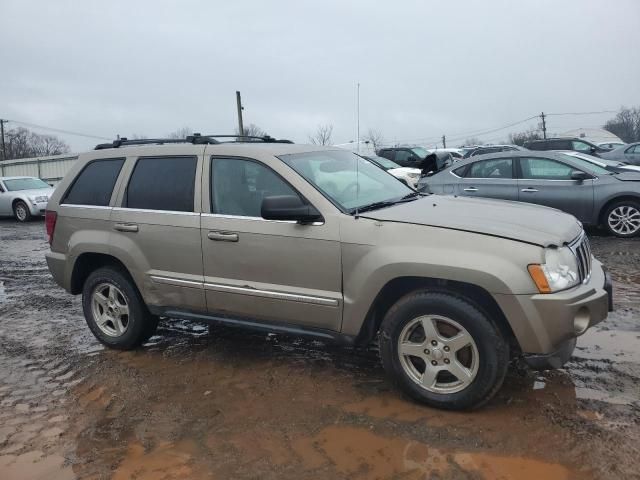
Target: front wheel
column 622, row 219
column 21, row 211
column 443, row 351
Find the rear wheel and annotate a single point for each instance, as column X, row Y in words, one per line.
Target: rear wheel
column 443, row 351
column 115, row 311
column 21, row 211
column 622, row 219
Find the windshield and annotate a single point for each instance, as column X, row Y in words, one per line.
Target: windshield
column 347, row 179
column 421, row 152
column 384, row 162
column 29, row 183
column 589, row 165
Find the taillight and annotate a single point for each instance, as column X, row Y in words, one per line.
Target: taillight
column 50, row 218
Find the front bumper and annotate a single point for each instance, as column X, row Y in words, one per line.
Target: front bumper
column 546, row 325
column 37, row 208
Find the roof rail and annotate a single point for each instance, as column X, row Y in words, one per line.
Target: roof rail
column 196, row 139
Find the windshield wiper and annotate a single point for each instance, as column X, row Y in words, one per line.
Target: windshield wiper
column 387, row 203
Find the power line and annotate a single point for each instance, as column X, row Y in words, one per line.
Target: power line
column 58, row 130
column 582, row 113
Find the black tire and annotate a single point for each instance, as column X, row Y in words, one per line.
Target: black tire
column 21, row 211
column 141, row 324
column 622, row 203
column 493, row 350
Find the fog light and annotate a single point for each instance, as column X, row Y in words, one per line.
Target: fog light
column 581, row 321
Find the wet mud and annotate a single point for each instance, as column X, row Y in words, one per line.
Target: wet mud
column 219, row 403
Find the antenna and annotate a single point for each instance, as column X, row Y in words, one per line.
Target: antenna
column 357, row 182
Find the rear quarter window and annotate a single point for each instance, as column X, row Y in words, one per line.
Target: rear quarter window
column 94, row 185
column 162, row 183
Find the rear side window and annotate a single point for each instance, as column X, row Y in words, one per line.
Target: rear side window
column 162, row 183
column 497, row 168
column 94, row 185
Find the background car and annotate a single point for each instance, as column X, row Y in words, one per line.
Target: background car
column 575, row 144
column 484, row 149
column 23, row 197
column 405, row 156
column 611, row 145
column 593, row 194
column 628, row 153
column 408, row 175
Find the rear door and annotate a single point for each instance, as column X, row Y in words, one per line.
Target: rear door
column 548, row 182
column 264, row 269
column 492, row 178
column 156, row 229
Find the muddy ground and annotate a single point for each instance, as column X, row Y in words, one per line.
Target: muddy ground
column 209, row 402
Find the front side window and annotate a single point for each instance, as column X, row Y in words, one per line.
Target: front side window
column 496, row 168
column 580, row 146
column 238, row 186
column 403, row 156
column 347, row 179
column 544, row 169
column 28, row 183
column 162, row 183
column 95, row 183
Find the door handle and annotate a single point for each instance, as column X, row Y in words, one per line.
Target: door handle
column 529, row 190
column 223, row 236
column 126, row 227
column 471, row 189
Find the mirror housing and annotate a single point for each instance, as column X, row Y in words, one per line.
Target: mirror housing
column 579, row 175
column 593, row 149
column 288, row 207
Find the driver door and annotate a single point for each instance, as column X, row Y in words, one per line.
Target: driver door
column 268, row 270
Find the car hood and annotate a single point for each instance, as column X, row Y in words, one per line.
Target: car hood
column 404, row 170
column 36, row 192
column 632, row 175
column 523, row 222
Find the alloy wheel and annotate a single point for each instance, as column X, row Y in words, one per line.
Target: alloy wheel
column 110, row 309
column 21, row 212
column 624, row 220
column 438, row 354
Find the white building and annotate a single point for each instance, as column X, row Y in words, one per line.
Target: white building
column 50, row 169
column 594, row 135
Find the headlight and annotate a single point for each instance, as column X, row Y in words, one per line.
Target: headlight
column 559, row 272
column 40, row 199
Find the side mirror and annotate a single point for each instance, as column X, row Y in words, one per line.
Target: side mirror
column 288, row 207
column 579, row 175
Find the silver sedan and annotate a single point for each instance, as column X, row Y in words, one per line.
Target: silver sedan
column 593, row 194
column 23, row 197
column 627, row 153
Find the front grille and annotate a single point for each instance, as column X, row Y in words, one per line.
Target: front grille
column 582, row 251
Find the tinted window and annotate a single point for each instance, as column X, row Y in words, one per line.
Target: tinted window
column 559, row 145
column 497, row 168
column 403, row 156
column 545, row 169
column 162, row 183
column 536, row 146
column 460, row 170
column 238, row 186
column 95, row 183
column 386, row 154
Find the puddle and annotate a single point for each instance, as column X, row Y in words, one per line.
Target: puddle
column 610, row 344
column 166, row 461
column 360, row 453
column 34, row 466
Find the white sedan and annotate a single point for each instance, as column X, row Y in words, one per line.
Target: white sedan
column 409, row 176
column 23, row 197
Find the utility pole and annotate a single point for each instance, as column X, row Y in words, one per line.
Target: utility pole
column 544, row 125
column 444, row 141
column 358, row 120
column 240, row 108
column 4, row 148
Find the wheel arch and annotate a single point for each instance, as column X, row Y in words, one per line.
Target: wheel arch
column 396, row 288
column 611, row 201
column 89, row 262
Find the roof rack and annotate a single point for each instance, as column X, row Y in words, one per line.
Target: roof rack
column 195, row 139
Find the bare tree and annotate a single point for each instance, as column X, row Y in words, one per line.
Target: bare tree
column 181, row 133
column 519, row 138
column 374, row 137
column 252, row 130
column 322, row 135
column 626, row 124
column 138, row 136
column 473, row 141
column 23, row 143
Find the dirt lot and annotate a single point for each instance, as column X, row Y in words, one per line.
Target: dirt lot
column 207, row 402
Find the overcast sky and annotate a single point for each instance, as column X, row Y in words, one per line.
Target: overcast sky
column 426, row 68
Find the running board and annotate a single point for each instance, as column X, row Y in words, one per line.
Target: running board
column 286, row 329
